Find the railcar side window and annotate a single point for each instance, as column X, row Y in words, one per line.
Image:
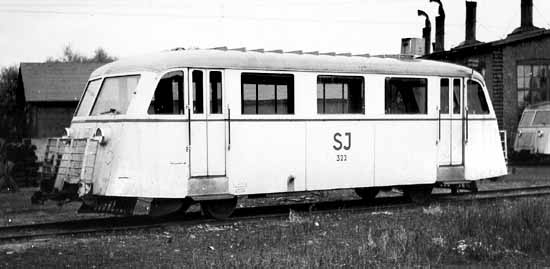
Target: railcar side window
column 198, row 93
column 406, row 96
column 88, row 99
column 444, row 96
column 542, row 118
column 115, row 95
column 340, row 95
column 457, row 101
column 168, row 98
column 527, row 118
column 215, row 92
column 477, row 104
column 267, row 93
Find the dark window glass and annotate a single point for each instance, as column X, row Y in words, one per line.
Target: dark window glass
column 406, row 96
column 198, row 93
column 444, row 96
column 168, row 97
column 457, row 101
column 267, row 93
column 216, row 92
column 477, row 104
column 340, row 95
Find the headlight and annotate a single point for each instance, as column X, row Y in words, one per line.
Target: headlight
column 68, row 132
column 102, row 135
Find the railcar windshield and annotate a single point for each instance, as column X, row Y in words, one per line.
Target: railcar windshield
column 88, row 99
column 542, row 118
column 526, row 118
column 115, row 95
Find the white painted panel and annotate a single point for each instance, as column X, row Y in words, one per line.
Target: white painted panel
column 264, row 155
column 457, row 141
column 340, row 154
column 444, row 146
column 406, row 153
column 199, row 159
column 142, row 159
column 216, row 148
column 484, row 156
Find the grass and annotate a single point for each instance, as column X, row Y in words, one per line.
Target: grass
column 501, row 234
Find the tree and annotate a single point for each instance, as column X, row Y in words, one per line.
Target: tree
column 71, row 56
column 10, row 125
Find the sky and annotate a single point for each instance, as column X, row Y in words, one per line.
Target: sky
column 33, row 30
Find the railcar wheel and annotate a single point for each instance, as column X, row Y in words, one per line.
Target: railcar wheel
column 162, row 207
column 419, row 194
column 367, row 194
column 219, row 209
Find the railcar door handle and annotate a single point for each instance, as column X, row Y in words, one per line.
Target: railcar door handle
column 229, row 128
column 189, row 125
column 467, row 125
column 439, row 126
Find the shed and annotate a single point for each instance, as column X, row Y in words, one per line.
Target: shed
column 50, row 93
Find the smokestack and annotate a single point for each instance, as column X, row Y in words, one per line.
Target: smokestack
column 426, row 32
column 439, row 28
column 526, row 18
column 471, row 10
column 526, row 13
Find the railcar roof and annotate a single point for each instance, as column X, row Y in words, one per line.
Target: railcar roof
column 275, row 61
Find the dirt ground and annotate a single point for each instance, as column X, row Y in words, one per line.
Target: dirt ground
column 324, row 240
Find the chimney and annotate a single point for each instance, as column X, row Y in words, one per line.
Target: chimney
column 526, row 18
column 471, row 10
column 439, row 28
column 426, row 32
column 526, row 13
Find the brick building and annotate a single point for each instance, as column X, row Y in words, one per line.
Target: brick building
column 50, row 93
column 516, row 68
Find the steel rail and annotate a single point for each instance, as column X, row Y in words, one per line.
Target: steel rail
column 122, row 224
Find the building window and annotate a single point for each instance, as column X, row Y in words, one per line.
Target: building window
column 477, row 103
column 340, row 95
column 267, row 93
column 533, row 85
column 168, row 98
column 406, row 96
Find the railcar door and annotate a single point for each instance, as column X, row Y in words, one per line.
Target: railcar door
column 207, row 126
column 457, row 123
column 451, row 130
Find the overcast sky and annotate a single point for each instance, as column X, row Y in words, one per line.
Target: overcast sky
column 33, row 30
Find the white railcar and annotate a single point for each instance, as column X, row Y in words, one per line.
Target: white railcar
column 534, row 130
column 212, row 125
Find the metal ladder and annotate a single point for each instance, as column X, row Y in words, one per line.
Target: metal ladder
column 71, row 160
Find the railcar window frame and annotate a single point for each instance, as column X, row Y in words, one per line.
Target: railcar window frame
column 180, row 92
column 100, row 91
column 83, row 96
column 444, row 89
column 265, row 80
column 346, row 87
column 481, row 107
column 404, row 108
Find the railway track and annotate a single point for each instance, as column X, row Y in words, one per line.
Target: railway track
column 120, row 224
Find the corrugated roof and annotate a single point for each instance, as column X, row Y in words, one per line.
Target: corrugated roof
column 258, row 60
column 50, row 82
